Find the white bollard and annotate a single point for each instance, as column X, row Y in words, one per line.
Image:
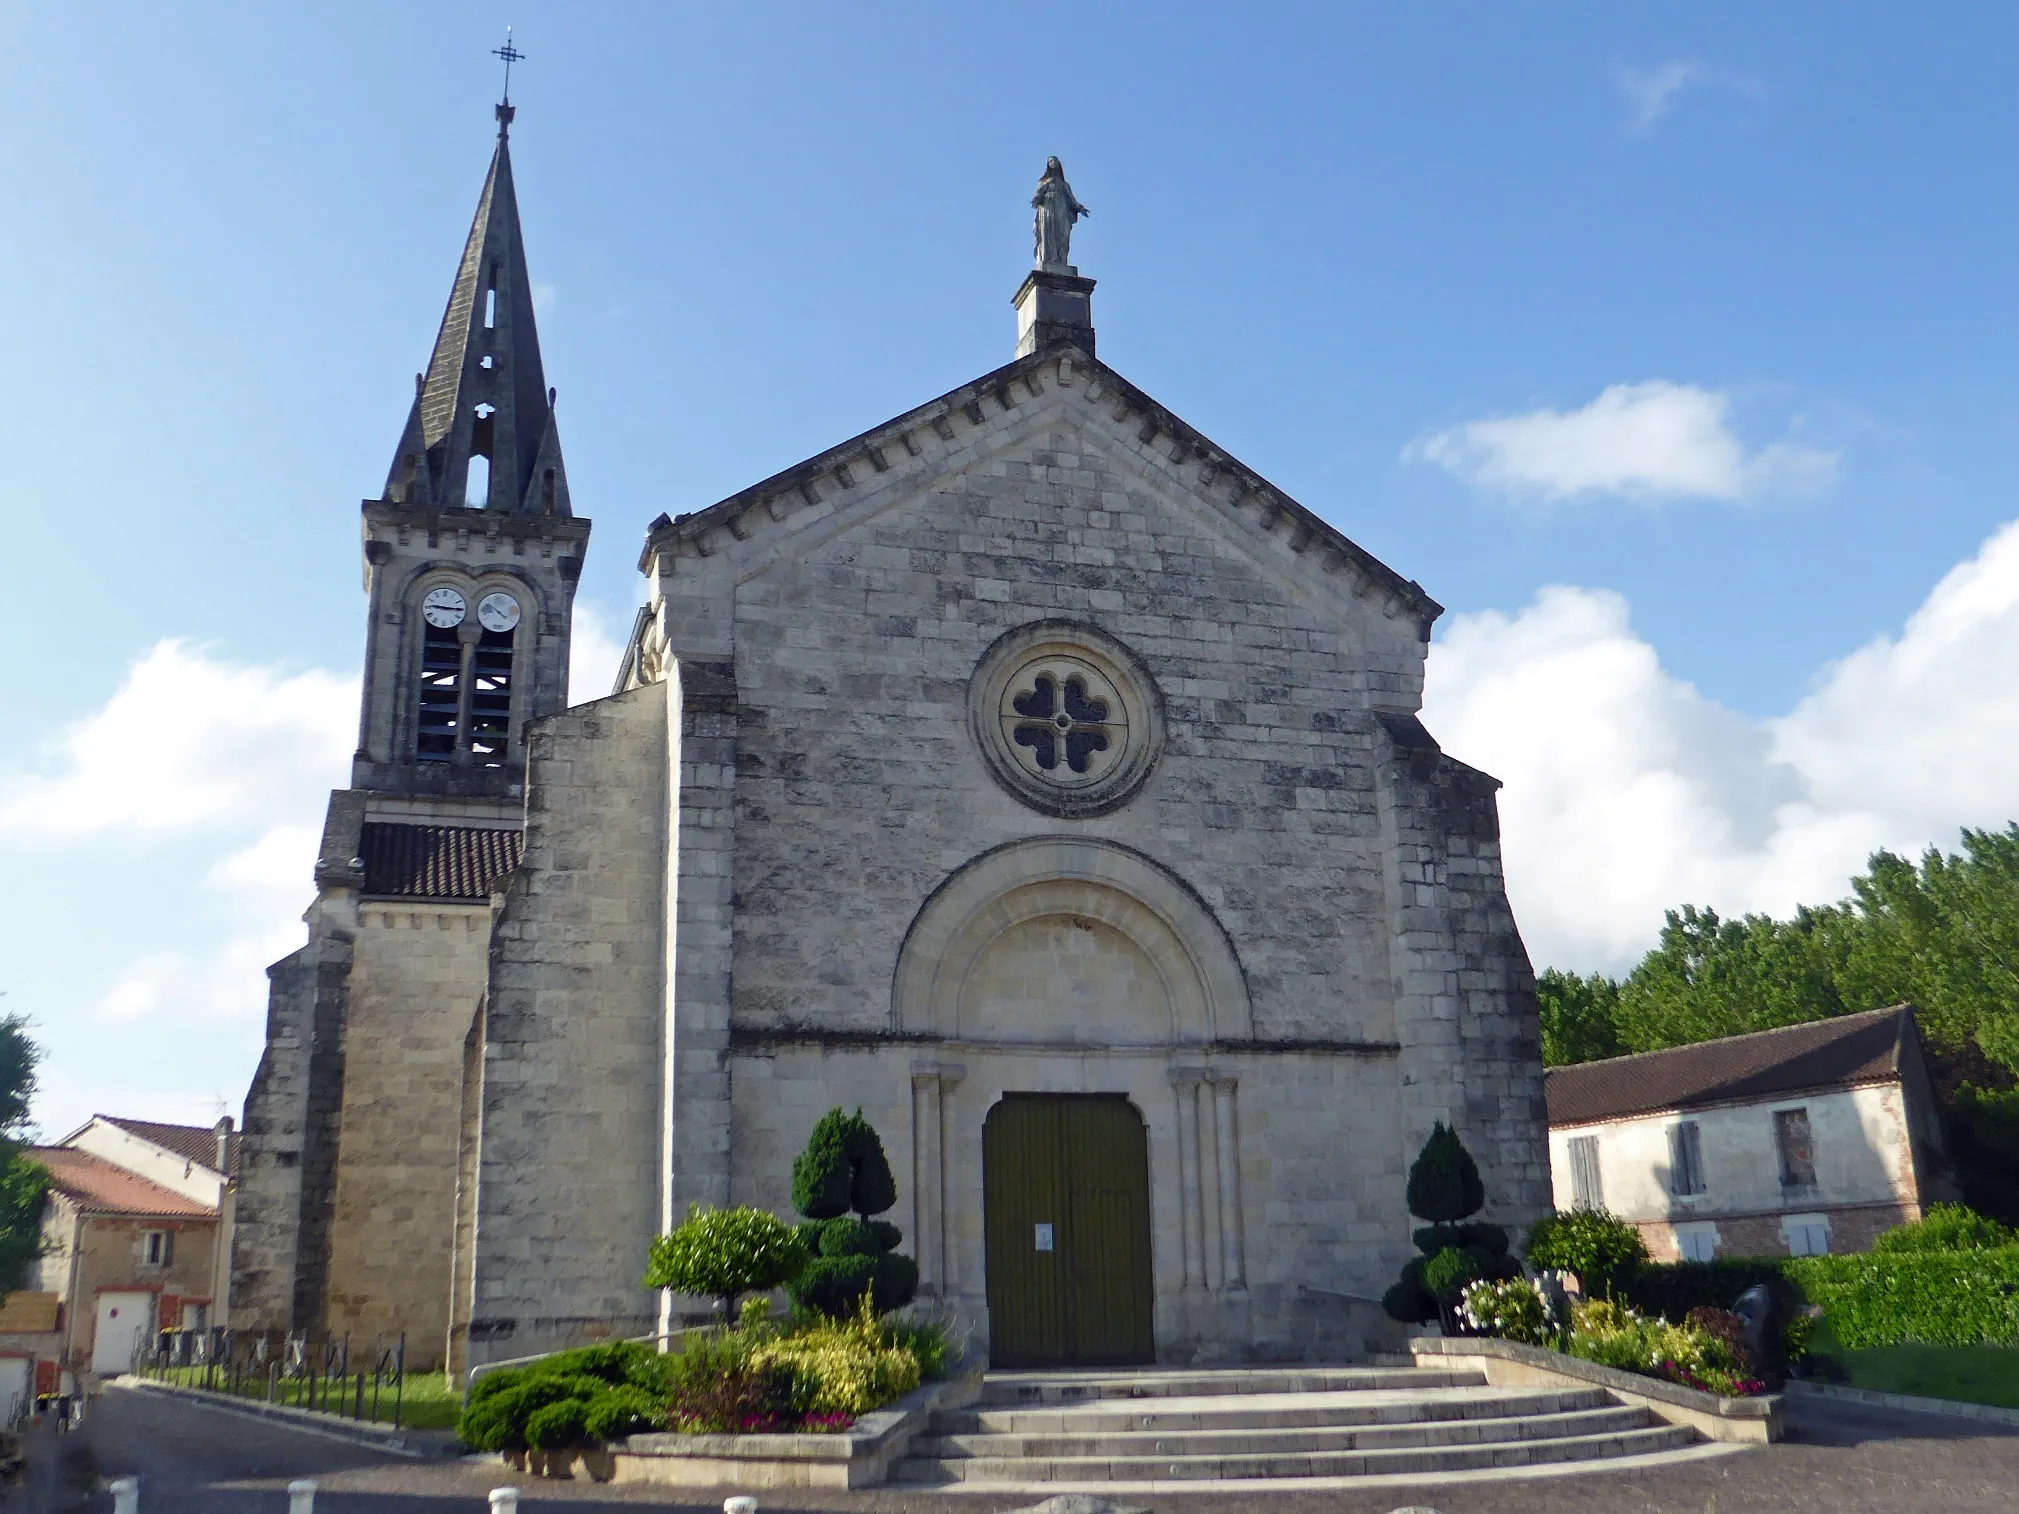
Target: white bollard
column 504, row 1501
column 301, row 1497
column 126, row 1495
column 742, row 1503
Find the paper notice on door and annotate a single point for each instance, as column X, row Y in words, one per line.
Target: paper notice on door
column 1044, row 1237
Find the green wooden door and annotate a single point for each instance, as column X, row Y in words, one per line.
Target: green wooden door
column 1066, row 1196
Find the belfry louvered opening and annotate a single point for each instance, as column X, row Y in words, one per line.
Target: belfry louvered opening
column 441, row 694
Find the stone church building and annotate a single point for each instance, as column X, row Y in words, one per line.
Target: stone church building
column 1027, row 771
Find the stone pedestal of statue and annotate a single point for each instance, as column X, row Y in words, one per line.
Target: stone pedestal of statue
column 1055, row 307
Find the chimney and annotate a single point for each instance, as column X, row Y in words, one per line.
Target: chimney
column 224, row 1144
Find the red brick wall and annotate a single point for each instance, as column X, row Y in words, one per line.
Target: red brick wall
column 1852, row 1228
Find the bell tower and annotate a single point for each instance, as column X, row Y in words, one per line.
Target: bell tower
column 355, row 1117
column 472, row 552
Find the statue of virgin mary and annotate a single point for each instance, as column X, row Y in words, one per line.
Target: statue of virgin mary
column 1056, row 211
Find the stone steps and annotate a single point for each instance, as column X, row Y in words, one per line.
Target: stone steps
column 1273, row 1412
column 1135, row 1444
column 1078, row 1387
column 1092, row 1430
column 1081, row 1471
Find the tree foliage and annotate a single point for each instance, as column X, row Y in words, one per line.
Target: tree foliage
column 726, row 1252
column 1580, row 1017
column 24, row 1184
column 1604, row 1252
column 1942, row 936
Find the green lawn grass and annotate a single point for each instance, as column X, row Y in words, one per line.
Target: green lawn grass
column 426, row 1400
column 1967, row 1374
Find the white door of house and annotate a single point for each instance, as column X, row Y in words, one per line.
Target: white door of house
column 13, row 1387
column 122, row 1319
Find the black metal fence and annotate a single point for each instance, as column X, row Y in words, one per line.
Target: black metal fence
column 300, row 1369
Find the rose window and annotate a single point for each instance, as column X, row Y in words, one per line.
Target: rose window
column 1065, row 721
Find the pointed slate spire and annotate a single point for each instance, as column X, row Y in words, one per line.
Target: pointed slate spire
column 485, row 394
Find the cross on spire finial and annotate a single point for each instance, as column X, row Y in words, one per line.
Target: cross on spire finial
column 511, row 55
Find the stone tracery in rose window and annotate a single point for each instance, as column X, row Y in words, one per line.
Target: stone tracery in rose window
column 1065, row 720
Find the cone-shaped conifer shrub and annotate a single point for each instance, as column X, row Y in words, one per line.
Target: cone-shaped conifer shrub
column 844, row 1169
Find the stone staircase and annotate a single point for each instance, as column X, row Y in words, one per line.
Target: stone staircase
column 1145, row 1429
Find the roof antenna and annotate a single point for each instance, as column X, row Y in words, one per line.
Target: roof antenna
column 511, row 55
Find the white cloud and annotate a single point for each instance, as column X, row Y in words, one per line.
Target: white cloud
column 188, row 741
column 593, row 655
column 1652, row 92
column 1649, row 441
column 258, row 894
column 1628, row 792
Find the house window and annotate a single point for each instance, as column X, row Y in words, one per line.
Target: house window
column 1807, row 1234
column 157, row 1247
column 1685, row 1159
column 1586, row 1191
column 1796, row 1148
column 1697, row 1243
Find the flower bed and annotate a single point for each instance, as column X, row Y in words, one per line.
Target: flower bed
column 1706, row 1351
column 816, row 1376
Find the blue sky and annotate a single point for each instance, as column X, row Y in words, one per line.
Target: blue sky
column 1669, row 346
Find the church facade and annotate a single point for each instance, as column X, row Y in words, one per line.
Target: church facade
column 1026, row 771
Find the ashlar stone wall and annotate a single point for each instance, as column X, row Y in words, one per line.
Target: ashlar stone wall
column 417, row 976
column 569, row 1158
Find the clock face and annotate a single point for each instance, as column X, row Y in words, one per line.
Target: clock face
column 444, row 607
column 498, row 612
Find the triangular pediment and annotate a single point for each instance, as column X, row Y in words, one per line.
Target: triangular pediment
column 788, row 514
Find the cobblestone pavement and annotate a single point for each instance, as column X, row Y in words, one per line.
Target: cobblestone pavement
column 195, row 1460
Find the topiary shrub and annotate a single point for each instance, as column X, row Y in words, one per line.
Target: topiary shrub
column 1947, row 1227
column 1444, row 1188
column 614, row 1389
column 843, row 1169
column 726, row 1252
column 1444, row 1185
column 1604, row 1251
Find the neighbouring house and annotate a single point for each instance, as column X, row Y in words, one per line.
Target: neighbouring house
column 31, row 1349
column 137, row 1236
column 1798, row 1141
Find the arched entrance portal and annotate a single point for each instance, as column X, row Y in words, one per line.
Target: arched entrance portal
column 1066, row 1201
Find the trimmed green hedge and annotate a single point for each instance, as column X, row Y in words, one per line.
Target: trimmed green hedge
column 1929, row 1298
column 1901, row 1298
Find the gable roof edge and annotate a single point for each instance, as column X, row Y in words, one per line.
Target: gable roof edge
column 772, row 500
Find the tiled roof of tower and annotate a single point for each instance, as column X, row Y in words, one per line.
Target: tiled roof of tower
column 196, row 1142
column 96, row 1186
column 1846, row 1052
column 436, row 861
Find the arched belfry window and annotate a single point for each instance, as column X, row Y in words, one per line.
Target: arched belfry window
column 443, row 610
column 498, row 617
column 467, row 656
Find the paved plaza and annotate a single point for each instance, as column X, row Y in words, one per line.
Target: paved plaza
column 192, row 1459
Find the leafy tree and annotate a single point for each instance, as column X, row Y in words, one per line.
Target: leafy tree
column 1604, row 1251
column 24, row 1183
column 844, row 1168
column 727, row 1252
column 1580, row 1017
